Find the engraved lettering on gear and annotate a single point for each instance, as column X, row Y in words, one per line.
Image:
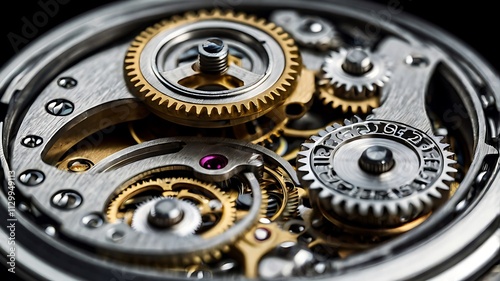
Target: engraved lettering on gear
column 383, row 191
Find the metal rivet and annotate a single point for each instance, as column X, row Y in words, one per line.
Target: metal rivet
column 60, row 107
column 67, row 199
column 67, row 82
column 32, row 177
column 92, row 221
column 32, row 141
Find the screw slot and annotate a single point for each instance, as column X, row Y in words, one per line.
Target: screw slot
column 92, row 221
column 32, row 141
column 66, row 200
column 60, row 107
column 32, row 177
column 67, row 82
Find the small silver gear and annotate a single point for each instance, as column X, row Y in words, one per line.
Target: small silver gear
column 355, row 73
column 189, row 221
column 375, row 173
column 308, row 31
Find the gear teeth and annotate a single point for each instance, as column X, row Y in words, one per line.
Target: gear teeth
column 395, row 210
column 352, row 94
column 166, row 185
column 241, row 111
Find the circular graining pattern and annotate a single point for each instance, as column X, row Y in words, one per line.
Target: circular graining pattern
column 413, row 185
column 255, row 70
column 345, row 161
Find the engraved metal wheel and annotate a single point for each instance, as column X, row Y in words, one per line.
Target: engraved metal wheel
column 249, row 140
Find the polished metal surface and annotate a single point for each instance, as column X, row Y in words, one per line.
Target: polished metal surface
column 414, row 180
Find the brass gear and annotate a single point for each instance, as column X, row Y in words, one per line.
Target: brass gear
column 235, row 111
column 363, row 106
column 176, row 188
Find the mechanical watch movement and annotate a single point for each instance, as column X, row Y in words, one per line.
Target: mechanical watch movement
column 249, row 140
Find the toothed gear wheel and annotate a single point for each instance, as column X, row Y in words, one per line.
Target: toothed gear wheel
column 207, row 198
column 351, row 79
column 217, row 89
column 375, row 173
column 167, row 215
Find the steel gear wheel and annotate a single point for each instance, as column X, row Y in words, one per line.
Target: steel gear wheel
column 236, row 103
column 351, row 79
column 125, row 204
column 409, row 167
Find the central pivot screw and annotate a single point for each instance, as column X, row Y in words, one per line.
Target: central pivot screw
column 357, row 62
column 165, row 213
column 376, row 160
column 213, row 56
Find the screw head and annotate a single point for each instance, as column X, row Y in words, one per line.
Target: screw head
column 376, row 160
column 67, row 82
column 31, row 177
column 213, row 45
column 67, row 199
column 60, row 107
column 31, row 141
column 92, row 221
column 165, row 213
column 357, row 62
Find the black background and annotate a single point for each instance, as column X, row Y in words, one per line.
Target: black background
column 473, row 23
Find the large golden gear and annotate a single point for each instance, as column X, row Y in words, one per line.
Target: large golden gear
column 179, row 188
column 240, row 111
